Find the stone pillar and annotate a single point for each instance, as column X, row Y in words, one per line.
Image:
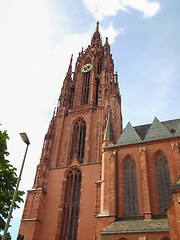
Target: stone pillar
column 144, row 180
column 176, row 154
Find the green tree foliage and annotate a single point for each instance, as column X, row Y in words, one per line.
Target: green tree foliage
column 8, row 179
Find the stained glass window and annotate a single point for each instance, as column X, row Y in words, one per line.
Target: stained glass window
column 78, row 139
column 85, row 89
column 163, row 180
column 131, row 201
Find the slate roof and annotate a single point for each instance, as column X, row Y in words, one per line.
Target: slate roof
column 147, row 132
column 157, row 131
column 142, row 130
column 129, row 135
column 138, row 225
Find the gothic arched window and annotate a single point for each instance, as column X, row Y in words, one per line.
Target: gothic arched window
column 163, row 180
column 85, row 89
column 78, row 139
column 130, row 187
column 69, row 224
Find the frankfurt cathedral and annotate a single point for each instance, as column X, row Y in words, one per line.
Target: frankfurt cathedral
column 96, row 180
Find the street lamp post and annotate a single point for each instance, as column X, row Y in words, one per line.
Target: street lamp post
column 26, row 140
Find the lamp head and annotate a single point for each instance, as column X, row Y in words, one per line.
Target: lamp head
column 25, row 138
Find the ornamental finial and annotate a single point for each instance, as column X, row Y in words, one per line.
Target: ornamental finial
column 97, row 27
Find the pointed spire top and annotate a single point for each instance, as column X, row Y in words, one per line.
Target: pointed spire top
column 108, row 135
column 71, row 59
column 96, row 36
column 70, row 65
column 107, row 46
column 97, row 27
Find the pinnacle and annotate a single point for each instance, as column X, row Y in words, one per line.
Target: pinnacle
column 97, row 27
column 107, row 40
column 70, row 66
column 96, row 36
column 108, row 135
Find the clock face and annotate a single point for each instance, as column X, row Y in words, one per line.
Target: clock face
column 86, row 68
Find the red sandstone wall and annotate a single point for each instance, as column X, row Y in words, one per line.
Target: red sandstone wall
column 148, row 197
column 51, row 223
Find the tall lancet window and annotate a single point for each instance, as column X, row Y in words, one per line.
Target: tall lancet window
column 85, row 89
column 163, row 180
column 130, row 187
column 69, row 224
column 78, row 140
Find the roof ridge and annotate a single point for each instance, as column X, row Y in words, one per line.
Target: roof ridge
column 152, row 131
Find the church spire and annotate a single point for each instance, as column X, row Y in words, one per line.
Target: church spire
column 96, row 36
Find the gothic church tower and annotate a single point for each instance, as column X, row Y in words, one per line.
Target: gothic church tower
column 68, row 190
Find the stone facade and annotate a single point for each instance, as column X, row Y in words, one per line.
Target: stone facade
column 95, row 180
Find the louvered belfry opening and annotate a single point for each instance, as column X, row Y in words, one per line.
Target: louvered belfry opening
column 99, row 66
column 69, row 224
column 163, row 180
column 85, row 89
column 130, row 187
column 78, row 140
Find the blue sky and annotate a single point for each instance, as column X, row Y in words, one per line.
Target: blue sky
column 37, row 40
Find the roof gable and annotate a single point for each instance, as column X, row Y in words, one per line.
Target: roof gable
column 129, row 135
column 157, row 131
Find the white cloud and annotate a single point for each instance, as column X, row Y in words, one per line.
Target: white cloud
column 103, row 8
column 149, row 9
column 31, row 77
column 111, row 33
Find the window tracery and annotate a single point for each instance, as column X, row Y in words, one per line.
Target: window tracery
column 71, row 205
column 163, row 180
column 85, row 88
column 78, row 140
column 130, row 187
